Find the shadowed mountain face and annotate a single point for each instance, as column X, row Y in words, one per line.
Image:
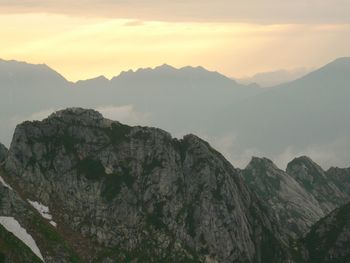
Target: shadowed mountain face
column 3, row 152
column 329, row 239
column 306, row 116
column 132, row 193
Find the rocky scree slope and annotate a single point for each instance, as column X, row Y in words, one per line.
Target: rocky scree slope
column 131, row 194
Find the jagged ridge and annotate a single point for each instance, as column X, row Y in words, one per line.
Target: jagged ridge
column 135, row 193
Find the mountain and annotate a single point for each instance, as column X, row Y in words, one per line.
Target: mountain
column 301, row 195
column 274, row 78
column 329, row 239
column 307, row 116
column 77, row 187
column 23, row 231
column 296, row 208
column 26, row 86
column 317, row 182
column 180, row 100
column 340, row 177
column 3, row 153
column 135, row 194
column 27, row 89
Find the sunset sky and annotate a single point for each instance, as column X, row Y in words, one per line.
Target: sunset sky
column 84, row 39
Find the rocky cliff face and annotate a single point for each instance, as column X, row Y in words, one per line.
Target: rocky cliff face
column 341, row 178
column 134, row 194
column 329, row 239
column 3, row 153
column 295, row 208
column 317, row 182
column 301, row 195
column 13, row 205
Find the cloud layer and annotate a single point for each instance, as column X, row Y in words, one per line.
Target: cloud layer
column 267, row 11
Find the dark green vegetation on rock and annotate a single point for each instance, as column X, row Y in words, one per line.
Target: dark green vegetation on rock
column 12, row 250
column 53, row 245
column 329, row 239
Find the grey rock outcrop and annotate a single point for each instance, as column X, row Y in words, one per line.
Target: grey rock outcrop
column 134, row 194
column 318, row 183
column 3, row 153
column 295, row 208
column 341, row 178
column 50, row 242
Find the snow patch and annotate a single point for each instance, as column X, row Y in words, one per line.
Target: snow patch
column 4, row 183
column 12, row 225
column 43, row 210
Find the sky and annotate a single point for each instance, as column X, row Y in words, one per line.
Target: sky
column 85, row 38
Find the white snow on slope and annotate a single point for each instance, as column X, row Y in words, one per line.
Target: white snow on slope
column 43, row 210
column 4, row 183
column 12, row 225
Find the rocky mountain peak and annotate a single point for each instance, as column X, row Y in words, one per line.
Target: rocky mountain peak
column 305, row 169
column 77, row 114
column 263, row 163
column 315, row 180
column 139, row 190
column 296, row 209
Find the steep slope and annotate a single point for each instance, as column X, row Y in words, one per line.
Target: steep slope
column 329, row 239
column 12, row 250
column 135, row 194
column 305, row 116
column 28, row 85
column 27, row 89
column 340, row 177
column 16, row 208
column 3, row 153
column 296, row 209
column 314, row 180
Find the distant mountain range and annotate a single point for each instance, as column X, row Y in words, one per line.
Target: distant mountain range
column 274, row 78
column 304, row 116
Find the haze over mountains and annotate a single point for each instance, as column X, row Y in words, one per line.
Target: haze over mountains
column 273, row 78
column 304, row 116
